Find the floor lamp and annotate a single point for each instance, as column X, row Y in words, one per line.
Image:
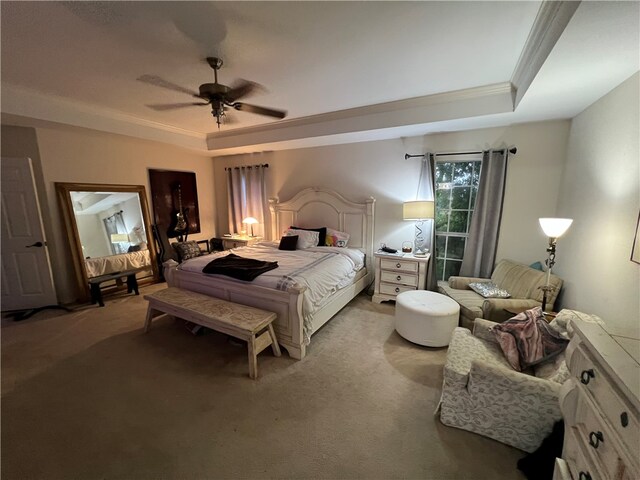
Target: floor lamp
column 419, row 210
column 553, row 228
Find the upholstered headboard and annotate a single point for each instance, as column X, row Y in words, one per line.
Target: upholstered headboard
column 317, row 207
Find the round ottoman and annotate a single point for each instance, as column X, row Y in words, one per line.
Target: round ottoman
column 426, row 318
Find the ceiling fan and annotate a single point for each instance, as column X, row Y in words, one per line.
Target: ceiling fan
column 220, row 97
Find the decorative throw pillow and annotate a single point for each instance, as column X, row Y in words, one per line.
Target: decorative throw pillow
column 336, row 238
column 187, row 250
column 306, row 239
column 133, row 248
column 489, row 290
column 537, row 266
column 288, row 242
column 527, row 339
column 322, row 233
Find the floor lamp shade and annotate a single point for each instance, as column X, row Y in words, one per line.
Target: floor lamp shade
column 555, row 227
column 418, row 210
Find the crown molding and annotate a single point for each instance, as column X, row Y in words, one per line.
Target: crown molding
column 21, row 102
column 472, row 102
column 552, row 19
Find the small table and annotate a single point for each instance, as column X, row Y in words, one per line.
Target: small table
column 96, row 292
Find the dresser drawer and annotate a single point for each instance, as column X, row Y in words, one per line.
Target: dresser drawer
column 392, row 289
column 561, row 470
column 595, row 433
column 399, row 278
column 405, row 266
column 607, row 396
column 581, row 464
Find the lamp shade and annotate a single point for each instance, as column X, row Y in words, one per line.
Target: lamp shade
column 250, row 221
column 119, row 237
column 555, row 227
column 418, row 210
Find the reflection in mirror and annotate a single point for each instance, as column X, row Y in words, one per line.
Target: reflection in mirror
column 112, row 233
column 109, row 232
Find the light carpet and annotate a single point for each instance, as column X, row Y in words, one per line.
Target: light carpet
column 87, row 395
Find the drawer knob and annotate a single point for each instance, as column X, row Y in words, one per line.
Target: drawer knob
column 587, row 375
column 398, row 265
column 398, row 278
column 397, row 289
column 584, row 476
column 624, row 419
column 595, row 438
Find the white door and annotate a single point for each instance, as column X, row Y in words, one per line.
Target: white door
column 26, row 272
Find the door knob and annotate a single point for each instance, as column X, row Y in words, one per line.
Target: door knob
column 37, row 244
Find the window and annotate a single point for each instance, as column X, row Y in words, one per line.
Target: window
column 456, row 189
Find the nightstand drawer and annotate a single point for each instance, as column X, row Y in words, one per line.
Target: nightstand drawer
column 399, row 278
column 391, row 289
column 406, row 266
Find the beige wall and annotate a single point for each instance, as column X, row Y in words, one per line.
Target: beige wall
column 67, row 154
column 600, row 190
column 378, row 169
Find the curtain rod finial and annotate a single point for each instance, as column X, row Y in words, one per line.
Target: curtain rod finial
column 407, row 156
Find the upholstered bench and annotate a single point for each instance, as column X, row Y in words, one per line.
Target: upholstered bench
column 240, row 321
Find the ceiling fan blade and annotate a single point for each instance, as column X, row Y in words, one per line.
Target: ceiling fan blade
column 172, row 106
column 242, row 88
column 245, row 107
column 160, row 82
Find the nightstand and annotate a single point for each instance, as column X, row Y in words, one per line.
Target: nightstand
column 235, row 241
column 398, row 273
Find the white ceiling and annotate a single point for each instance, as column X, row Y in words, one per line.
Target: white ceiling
column 66, row 61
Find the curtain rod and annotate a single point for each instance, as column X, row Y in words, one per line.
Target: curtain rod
column 264, row 165
column 512, row 151
column 121, row 211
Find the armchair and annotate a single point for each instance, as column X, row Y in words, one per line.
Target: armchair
column 521, row 281
column 481, row 393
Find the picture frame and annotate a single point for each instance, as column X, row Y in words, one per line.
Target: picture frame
column 174, row 192
column 635, row 249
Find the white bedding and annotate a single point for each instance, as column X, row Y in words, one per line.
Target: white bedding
column 117, row 263
column 323, row 270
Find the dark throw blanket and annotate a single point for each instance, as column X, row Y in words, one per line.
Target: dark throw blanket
column 239, row 267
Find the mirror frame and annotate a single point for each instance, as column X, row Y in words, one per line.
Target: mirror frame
column 63, row 192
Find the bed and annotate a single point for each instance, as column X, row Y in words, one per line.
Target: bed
column 121, row 262
column 312, row 207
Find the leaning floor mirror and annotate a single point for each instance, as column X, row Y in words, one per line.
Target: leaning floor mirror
column 109, row 232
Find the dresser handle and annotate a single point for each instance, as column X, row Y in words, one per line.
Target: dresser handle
column 595, row 438
column 398, row 265
column 624, row 419
column 398, row 278
column 584, row 476
column 397, row 289
column 587, row 375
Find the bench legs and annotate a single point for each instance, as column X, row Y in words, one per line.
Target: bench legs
column 256, row 344
column 151, row 314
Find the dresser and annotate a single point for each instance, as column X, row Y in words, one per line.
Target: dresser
column 398, row 273
column 600, row 404
column 235, row 241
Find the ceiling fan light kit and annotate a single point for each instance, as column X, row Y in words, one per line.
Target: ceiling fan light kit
column 220, row 97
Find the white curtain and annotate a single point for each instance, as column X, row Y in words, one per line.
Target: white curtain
column 247, row 197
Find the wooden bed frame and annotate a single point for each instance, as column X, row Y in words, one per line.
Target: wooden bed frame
column 312, row 207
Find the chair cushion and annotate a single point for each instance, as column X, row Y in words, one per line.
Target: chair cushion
column 465, row 348
column 470, row 302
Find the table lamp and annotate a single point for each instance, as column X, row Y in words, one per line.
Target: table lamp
column 250, row 221
column 419, row 211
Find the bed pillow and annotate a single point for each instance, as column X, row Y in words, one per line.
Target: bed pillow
column 336, row 238
column 133, row 248
column 187, row 250
column 306, row 238
column 322, row 231
column 288, row 242
column 489, row 290
column 527, row 339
